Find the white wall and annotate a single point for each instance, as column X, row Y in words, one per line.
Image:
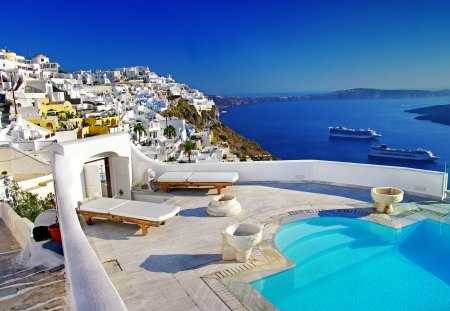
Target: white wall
column 16, row 161
column 21, row 228
column 413, row 181
column 63, row 136
column 79, row 151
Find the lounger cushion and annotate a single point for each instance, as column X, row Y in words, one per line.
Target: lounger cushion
column 146, row 211
column 102, row 205
column 213, row 177
column 174, row 177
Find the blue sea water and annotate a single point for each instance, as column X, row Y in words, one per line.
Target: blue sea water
column 350, row 264
column 297, row 130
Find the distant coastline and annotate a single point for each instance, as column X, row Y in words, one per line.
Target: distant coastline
column 359, row 93
column 439, row 113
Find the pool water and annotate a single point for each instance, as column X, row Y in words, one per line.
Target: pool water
column 351, row 264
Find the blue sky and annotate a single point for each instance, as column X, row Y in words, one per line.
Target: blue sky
column 238, row 47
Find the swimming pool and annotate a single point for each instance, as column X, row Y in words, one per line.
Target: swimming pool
column 351, row 264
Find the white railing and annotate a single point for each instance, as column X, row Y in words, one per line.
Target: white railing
column 89, row 286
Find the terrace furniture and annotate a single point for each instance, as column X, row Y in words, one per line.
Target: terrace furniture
column 218, row 180
column 144, row 214
column 223, row 205
column 384, row 197
column 239, row 239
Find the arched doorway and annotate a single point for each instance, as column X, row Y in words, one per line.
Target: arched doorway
column 49, row 126
column 107, row 174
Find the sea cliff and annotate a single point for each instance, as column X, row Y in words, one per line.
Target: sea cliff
column 238, row 144
column 438, row 113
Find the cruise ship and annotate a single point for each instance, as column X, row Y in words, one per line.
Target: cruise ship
column 342, row 132
column 414, row 155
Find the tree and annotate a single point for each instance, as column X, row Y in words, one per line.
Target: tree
column 24, row 203
column 188, row 147
column 170, row 131
column 139, row 129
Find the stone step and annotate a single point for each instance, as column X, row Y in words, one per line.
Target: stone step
column 34, row 288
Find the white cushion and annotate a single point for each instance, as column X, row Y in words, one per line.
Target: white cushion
column 146, row 211
column 102, row 205
column 213, row 177
column 174, row 176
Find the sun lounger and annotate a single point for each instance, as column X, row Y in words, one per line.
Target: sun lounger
column 142, row 213
column 218, row 180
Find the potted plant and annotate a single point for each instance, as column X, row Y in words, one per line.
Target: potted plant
column 54, row 228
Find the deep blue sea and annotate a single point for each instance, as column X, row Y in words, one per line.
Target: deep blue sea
column 297, row 130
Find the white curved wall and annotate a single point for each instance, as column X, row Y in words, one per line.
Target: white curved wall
column 89, row 285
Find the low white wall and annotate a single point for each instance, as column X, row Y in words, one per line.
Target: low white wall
column 21, row 228
column 414, row 181
column 66, row 135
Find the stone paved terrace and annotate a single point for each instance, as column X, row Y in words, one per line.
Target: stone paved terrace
column 23, row 288
column 164, row 270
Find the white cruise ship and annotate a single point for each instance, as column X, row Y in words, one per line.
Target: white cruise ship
column 343, row 132
column 414, row 155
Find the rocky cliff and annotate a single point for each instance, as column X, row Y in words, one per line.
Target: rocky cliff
column 238, row 144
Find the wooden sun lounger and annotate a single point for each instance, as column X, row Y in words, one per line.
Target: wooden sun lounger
column 218, row 180
column 144, row 214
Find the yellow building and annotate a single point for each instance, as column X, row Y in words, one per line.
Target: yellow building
column 49, row 124
column 108, row 121
column 94, row 130
column 52, row 114
column 59, row 110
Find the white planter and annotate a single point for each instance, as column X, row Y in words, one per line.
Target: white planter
column 223, row 205
column 238, row 241
column 384, row 197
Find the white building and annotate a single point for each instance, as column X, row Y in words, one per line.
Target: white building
column 100, row 77
column 44, row 63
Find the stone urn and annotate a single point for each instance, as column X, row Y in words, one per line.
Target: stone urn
column 384, row 197
column 238, row 241
column 223, row 205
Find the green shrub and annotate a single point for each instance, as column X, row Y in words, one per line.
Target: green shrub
column 27, row 204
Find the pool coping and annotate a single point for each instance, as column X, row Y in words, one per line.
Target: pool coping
column 233, row 287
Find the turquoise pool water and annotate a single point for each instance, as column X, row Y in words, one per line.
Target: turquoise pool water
column 351, row 264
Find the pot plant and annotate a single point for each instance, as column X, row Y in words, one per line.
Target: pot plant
column 54, row 228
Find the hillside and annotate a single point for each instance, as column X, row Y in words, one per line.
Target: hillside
column 358, row 93
column 438, row 113
column 238, row 144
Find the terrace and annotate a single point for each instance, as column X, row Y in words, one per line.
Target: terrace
column 178, row 266
column 111, row 266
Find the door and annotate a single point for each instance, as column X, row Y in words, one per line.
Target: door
column 120, row 177
column 92, row 182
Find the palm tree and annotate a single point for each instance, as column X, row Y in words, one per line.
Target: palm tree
column 188, row 147
column 170, row 131
column 139, row 129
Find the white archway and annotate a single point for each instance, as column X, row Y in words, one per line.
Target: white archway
column 115, row 147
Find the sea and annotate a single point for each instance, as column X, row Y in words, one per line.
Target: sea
column 297, row 130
